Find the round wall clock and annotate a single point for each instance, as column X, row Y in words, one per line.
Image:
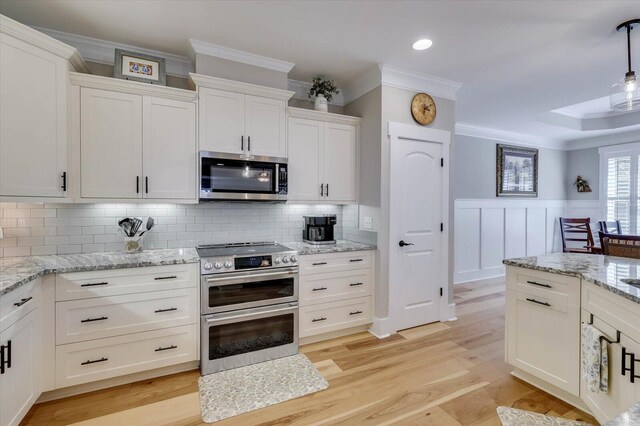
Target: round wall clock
column 423, row 108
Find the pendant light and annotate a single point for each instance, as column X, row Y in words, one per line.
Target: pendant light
column 625, row 95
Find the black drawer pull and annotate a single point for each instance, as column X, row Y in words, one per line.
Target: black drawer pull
column 22, row 301
column 538, row 302
column 356, row 260
column 355, row 284
column 632, row 365
column 355, row 313
column 319, row 263
column 165, row 278
column 318, row 319
column 94, row 284
column 160, row 349
column 103, row 359
column 166, row 310
column 5, row 359
column 539, row 284
column 319, row 289
column 94, row 319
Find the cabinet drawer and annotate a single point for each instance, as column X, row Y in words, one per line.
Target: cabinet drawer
column 620, row 313
column 79, row 320
column 335, row 262
column 326, row 317
column 544, row 284
column 18, row 303
column 334, row 286
column 105, row 358
column 83, row 285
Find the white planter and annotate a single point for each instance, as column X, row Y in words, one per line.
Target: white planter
column 321, row 103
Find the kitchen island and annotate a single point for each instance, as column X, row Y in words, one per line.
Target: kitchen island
column 548, row 297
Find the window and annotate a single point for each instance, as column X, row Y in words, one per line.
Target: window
column 620, row 183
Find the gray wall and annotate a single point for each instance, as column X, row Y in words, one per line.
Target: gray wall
column 308, row 104
column 475, row 160
column 106, row 70
column 231, row 70
column 586, row 163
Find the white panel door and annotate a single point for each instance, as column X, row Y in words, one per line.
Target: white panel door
column 492, row 228
column 266, row 126
column 416, row 215
column 305, row 159
column 20, row 383
column 110, row 144
column 33, row 120
column 169, row 149
column 339, row 162
column 221, row 121
column 536, row 231
column 515, row 224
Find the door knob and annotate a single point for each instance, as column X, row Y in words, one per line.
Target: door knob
column 402, row 243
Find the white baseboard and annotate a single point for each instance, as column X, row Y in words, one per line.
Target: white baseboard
column 480, row 274
column 450, row 315
column 380, row 327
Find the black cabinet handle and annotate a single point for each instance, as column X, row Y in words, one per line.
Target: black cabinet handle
column 22, row 301
column 146, row 184
column 165, row 310
column 248, row 143
column 137, row 184
column 94, row 319
column 318, row 319
column 322, row 189
column 538, row 302
column 160, row 349
column 402, row 243
column 632, row 365
column 327, row 190
column 319, row 289
column 103, row 359
column 94, row 284
column 165, row 278
column 355, row 284
column 356, row 260
column 355, row 313
column 242, row 143
column 319, row 263
column 64, row 181
column 5, row 359
column 539, row 284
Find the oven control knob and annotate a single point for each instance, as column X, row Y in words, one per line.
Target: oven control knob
column 277, row 260
column 294, row 259
column 285, row 259
column 208, row 266
column 228, row 264
column 218, row 265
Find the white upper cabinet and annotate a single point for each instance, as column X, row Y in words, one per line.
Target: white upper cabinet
column 241, row 118
column 323, row 156
column 110, row 144
column 33, row 112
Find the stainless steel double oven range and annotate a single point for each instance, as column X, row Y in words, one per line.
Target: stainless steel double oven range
column 249, row 304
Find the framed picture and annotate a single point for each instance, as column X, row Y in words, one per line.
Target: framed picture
column 139, row 67
column 517, row 171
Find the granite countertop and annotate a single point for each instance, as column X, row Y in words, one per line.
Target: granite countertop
column 338, row 247
column 17, row 271
column 628, row 418
column 604, row 271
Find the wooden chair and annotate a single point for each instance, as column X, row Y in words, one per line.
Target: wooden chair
column 612, row 227
column 577, row 230
column 620, row 245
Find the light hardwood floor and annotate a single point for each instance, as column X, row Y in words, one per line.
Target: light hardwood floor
column 439, row 374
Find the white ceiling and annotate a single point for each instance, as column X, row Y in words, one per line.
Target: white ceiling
column 517, row 60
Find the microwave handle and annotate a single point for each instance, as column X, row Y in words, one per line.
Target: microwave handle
column 277, row 188
column 246, row 316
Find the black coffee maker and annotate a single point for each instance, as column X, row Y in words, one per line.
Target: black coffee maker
column 319, row 229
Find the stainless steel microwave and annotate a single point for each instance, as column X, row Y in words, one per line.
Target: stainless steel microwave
column 240, row 177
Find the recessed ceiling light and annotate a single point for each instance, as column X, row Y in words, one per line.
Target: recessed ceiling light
column 422, row 44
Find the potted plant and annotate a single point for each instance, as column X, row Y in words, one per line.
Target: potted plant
column 323, row 91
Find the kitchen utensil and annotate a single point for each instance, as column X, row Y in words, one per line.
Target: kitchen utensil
column 126, row 224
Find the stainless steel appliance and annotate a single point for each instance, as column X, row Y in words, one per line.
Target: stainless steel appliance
column 240, row 177
column 249, row 304
column 319, row 229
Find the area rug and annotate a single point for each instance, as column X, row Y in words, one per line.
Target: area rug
column 234, row 392
column 514, row 417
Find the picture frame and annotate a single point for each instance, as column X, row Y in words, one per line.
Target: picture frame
column 140, row 67
column 516, row 171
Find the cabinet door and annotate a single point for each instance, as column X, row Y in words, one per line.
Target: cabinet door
column 110, row 144
column 169, row 149
column 339, row 166
column 305, row 159
column 265, row 126
column 544, row 340
column 222, row 121
column 19, row 384
column 33, row 120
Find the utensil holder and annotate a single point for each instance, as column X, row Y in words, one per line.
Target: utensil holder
column 133, row 244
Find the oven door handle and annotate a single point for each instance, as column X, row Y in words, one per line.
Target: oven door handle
column 234, row 318
column 249, row 278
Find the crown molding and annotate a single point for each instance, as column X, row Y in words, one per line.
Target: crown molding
column 301, row 90
column 236, row 86
column 363, row 84
column 521, row 139
column 417, row 81
column 43, row 41
column 311, row 114
column 210, row 49
column 103, row 52
column 132, row 87
column 606, row 140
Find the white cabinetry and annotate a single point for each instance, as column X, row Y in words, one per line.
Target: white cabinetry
column 33, row 112
column 135, row 141
column 323, row 156
column 241, row 118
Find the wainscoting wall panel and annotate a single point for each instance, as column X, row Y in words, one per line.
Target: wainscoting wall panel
column 487, row 231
